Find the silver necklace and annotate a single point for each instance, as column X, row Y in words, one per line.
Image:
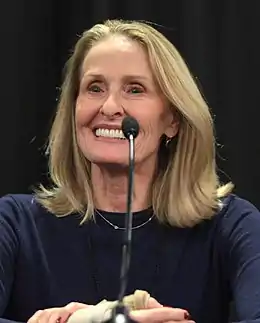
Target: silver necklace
column 122, row 228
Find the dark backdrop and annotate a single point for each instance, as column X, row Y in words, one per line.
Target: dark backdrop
column 219, row 39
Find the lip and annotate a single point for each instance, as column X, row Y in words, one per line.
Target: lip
column 111, row 140
column 107, row 126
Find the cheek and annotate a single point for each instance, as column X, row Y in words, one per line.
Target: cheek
column 154, row 124
column 79, row 117
column 151, row 132
column 166, row 119
column 84, row 113
column 82, row 121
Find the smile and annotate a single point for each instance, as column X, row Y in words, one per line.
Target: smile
column 110, row 133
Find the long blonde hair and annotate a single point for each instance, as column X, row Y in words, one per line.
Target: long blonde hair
column 186, row 189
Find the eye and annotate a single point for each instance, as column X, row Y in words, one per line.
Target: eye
column 135, row 89
column 94, row 88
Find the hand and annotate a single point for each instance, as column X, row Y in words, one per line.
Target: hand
column 56, row 314
column 153, row 303
column 161, row 315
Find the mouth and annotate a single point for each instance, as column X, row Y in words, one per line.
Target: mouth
column 109, row 133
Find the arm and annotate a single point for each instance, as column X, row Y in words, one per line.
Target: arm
column 9, row 245
column 241, row 233
column 8, row 321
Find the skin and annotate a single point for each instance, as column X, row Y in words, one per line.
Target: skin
column 155, row 313
column 117, row 81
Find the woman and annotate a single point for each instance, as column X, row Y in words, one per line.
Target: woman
column 196, row 246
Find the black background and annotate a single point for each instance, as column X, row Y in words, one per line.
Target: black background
column 219, row 40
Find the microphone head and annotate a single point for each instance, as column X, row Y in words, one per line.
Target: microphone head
column 130, row 126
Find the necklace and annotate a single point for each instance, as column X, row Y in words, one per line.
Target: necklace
column 123, row 228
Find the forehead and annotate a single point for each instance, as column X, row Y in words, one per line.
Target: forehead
column 117, row 55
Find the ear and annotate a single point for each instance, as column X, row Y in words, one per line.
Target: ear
column 173, row 127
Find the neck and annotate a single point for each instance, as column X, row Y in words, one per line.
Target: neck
column 110, row 188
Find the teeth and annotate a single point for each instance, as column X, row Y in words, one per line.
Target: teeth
column 110, row 133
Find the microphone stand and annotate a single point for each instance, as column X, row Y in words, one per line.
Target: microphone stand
column 120, row 313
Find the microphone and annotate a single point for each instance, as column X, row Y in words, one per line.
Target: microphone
column 130, row 128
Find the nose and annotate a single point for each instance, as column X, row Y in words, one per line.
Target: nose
column 112, row 106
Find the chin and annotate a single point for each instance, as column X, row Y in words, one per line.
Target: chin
column 107, row 159
column 104, row 151
column 112, row 165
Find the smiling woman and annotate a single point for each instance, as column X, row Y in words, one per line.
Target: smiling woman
column 195, row 247
column 108, row 92
column 117, row 70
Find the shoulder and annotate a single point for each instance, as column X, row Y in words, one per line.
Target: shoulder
column 18, row 224
column 20, row 208
column 23, row 212
column 238, row 217
column 236, row 209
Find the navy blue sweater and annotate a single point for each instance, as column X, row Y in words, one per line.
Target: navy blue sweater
column 47, row 261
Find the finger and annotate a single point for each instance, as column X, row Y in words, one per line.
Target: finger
column 74, row 306
column 153, row 303
column 157, row 315
column 59, row 316
column 45, row 315
column 35, row 317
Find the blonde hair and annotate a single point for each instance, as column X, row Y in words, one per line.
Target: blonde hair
column 186, row 189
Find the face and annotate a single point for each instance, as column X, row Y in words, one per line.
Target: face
column 116, row 82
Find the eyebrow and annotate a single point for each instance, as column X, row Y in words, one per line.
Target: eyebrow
column 125, row 77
